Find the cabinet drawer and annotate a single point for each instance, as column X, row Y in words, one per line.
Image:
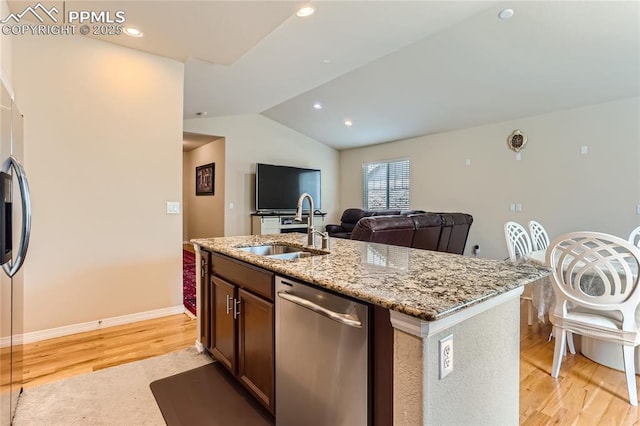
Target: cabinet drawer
column 256, row 280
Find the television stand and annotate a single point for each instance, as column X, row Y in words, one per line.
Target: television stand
column 280, row 223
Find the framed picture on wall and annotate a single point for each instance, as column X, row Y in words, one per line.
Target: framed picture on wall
column 205, row 179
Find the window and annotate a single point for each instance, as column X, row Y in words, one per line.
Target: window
column 386, row 185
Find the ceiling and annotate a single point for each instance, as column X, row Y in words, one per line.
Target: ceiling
column 396, row 69
column 191, row 141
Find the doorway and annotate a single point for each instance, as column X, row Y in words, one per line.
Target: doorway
column 202, row 215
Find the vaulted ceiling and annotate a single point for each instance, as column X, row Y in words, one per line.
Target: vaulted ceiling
column 395, row 69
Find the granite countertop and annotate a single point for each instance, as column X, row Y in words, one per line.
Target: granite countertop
column 424, row 284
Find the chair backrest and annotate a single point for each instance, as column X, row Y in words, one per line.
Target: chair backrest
column 634, row 237
column 597, row 271
column 539, row 237
column 518, row 241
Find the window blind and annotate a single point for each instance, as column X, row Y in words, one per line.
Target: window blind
column 386, row 185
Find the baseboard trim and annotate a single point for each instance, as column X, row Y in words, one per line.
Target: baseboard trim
column 36, row 336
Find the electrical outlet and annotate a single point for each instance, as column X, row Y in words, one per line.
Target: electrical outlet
column 445, row 346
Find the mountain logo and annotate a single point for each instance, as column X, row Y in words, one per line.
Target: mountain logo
column 38, row 11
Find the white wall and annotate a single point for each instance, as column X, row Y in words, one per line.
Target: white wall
column 103, row 151
column 5, row 50
column 555, row 184
column 482, row 389
column 252, row 139
column 204, row 214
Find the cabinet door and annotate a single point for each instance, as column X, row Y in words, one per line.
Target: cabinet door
column 223, row 327
column 261, row 225
column 270, row 225
column 256, row 352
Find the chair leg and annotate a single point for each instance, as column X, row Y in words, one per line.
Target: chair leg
column 572, row 347
column 628, row 353
column 558, row 352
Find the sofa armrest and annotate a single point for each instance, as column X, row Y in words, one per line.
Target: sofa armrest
column 334, row 229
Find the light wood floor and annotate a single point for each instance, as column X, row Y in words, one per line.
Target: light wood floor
column 55, row 359
column 585, row 393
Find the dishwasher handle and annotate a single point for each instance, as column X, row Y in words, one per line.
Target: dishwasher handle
column 346, row 319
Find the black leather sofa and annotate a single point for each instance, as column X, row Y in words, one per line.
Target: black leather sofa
column 351, row 216
column 445, row 232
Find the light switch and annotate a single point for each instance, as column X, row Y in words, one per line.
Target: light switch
column 467, row 161
column 512, row 207
column 173, row 207
column 518, row 156
column 584, row 149
column 518, row 207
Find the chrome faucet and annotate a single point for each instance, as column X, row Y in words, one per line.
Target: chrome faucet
column 310, row 231
column 298, row 218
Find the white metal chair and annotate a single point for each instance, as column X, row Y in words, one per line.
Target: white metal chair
column 539, row 236
column 595, row 280
column 634, row 237
column 519, row 245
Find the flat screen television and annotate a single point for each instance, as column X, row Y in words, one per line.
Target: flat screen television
column 279, row 187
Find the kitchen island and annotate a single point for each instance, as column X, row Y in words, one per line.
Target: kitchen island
column 430, row 296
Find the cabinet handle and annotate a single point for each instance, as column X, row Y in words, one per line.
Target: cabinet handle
column 203, row 268
column 236, row 309
column 229, row 299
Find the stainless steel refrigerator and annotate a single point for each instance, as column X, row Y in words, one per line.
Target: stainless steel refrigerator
column 15, row 226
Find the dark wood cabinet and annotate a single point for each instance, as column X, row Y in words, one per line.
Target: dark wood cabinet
column 223, row 327
column 382, row 366
column 241, row 326
column 256, row 346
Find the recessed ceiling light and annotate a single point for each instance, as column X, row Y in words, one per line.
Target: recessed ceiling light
column 326, row 61
column 317, row 105
column 505, row 14
column 305, row 11
column 133, row 32
column 348, row 123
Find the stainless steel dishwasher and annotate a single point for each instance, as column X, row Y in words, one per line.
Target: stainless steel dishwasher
column 321, row 357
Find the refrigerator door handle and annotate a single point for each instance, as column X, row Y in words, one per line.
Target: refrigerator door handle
column 25, row 196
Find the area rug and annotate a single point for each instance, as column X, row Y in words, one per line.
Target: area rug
column 189, row 280
column 207, row 396
column 113, row 396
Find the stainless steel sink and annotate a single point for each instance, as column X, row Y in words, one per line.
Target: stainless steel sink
column 294, row 255
column 270, row 250
column 280, row 251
